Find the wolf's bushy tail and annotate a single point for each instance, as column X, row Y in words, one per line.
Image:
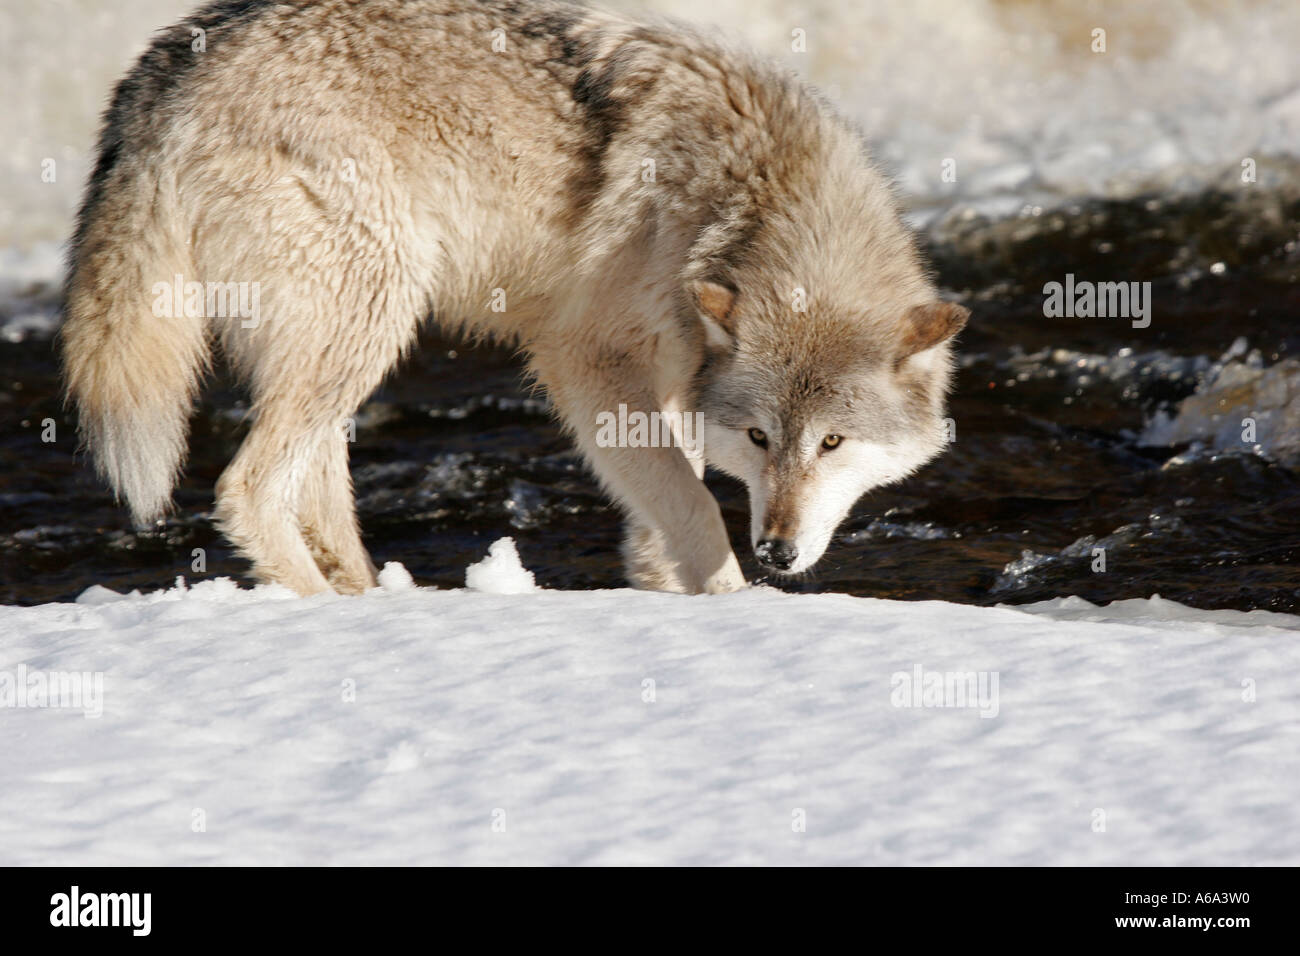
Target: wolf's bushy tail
column 132, row 373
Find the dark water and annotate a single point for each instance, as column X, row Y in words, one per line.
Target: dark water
column 454, row 453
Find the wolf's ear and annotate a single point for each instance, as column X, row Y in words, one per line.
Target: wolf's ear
column 716, row 304
column 928, row 325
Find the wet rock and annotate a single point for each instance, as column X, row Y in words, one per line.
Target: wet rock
column 1244, row 408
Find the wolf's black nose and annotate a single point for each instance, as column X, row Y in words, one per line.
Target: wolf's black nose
column 776, row 554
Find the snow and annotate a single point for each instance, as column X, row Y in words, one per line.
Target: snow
column 413, row 725
column 500, row 572
column 394, row 577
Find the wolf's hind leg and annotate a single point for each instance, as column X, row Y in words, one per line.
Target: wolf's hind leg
column 342, row 288
column 328, row 519
column 257, row 502
column 286, row 500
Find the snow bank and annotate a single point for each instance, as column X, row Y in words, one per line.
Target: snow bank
column 421, row 726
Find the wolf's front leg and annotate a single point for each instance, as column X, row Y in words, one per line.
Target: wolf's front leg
column 675, row 539
column 645, row 558
column 676, row 536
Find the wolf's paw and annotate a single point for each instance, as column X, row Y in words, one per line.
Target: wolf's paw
column 726, row 579
column 646, row 563
column 648, row 567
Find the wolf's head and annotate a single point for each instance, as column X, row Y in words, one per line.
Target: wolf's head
column 828, row 349
column 812, row 408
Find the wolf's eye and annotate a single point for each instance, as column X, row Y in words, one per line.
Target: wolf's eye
column 758, row 437
column 832, row 441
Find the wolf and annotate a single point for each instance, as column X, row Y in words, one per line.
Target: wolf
column 654, row 217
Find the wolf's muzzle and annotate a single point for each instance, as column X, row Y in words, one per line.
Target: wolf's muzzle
column 776, row 553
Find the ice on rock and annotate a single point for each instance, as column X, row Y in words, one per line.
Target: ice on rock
column 1241, row 407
